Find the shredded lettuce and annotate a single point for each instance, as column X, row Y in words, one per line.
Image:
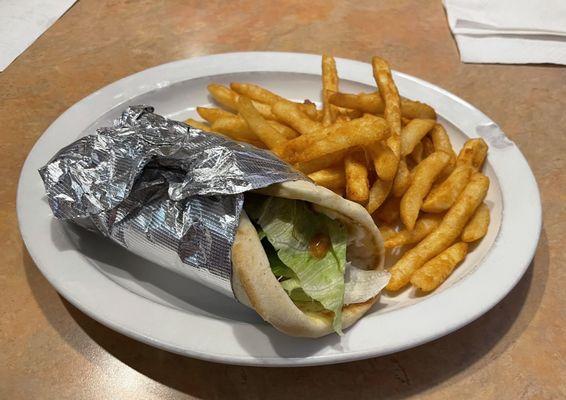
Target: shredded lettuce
column 289, row 226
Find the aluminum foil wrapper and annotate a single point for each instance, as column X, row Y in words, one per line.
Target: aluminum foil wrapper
column 166, row 191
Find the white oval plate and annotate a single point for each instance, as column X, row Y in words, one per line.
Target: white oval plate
column 157, row 307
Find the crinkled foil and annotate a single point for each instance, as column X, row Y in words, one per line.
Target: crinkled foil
column 163, row 190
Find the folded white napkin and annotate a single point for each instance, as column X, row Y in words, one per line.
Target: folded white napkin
column 23, row 21
column 509, row 31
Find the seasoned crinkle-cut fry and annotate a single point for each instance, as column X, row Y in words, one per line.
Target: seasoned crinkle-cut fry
column 226, row 97
column 388, row 211
column 212, row 114
column 329, row 85
column 377, row 194
column 357, row 182
column 445, row 194
column 331, row 178
column 402, row 179
column 412, row 134
column 435, row 271
column 478, row 225
column 447, row 232
column 360, row 132
column 323, row 162
column 423, row 227
column 424, row 176
column 291, row 114
column 258, row 125
column 372, row 103
column 476, row 157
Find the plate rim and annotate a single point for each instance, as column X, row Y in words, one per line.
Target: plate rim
column 301, row 63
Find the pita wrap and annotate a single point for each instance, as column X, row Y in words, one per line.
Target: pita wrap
column 255, row 285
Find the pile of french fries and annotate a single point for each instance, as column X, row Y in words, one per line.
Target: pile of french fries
column 383, row 151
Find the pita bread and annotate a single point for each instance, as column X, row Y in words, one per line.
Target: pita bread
column 255, row 285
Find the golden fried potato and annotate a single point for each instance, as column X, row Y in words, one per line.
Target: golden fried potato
column 425, row 174
column 435, row 271
column 384, row 160
column 447, row 232
column 402, row 179
column 377, row 194
column 291, row 114
column 441, row 142
column 332, row 178
column 389, row 210
column 235, row 127
column 329, row 85
column 256, row 92
column 372, row 103
column 417, row 153
column 229, row 99
column 470, row 159
column 327, row 160
column 212, row 114
column 357, row 182
column 428, row 147
column 392, row 112
column 309, row 108
column 259, row 125
column 477, row 156
column 445, row 194
column 360, row 132
column 412, row 134
column 199, row 125
column 386, row 231
column 423, row 227
column 284, row 130
column 478, row 225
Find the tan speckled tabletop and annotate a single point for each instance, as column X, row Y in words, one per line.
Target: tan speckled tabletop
column 50, row 350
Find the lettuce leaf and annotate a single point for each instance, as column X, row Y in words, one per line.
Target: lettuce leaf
column 289, row 226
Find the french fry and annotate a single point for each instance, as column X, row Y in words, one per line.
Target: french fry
column 372, row 103
column 428, row 147
column 332, row 178
column 377, row 194
column 235, row 127
column 417, row 153
column 323, row 162
column 423, row 227
column 412, row 134
column 199, row 125
column 256, row 92
column 402, row 179
column 384, row 160
column 361, row 132
column 445, row 194
column 447, row 232
column 392, row 113
column 424, row 176
column 329, row 85
column 357, row 183
column 291, row 114
column 284, row 130
column 478, row 225
column 470, row 159
column 226, row 97
column 262, row 95
column 389, row 210
column 434, row 272
column 258, row 125
column 212, row 114
column 477, row 156
column 386, row 231
column 309, row 108
column 441, row 142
